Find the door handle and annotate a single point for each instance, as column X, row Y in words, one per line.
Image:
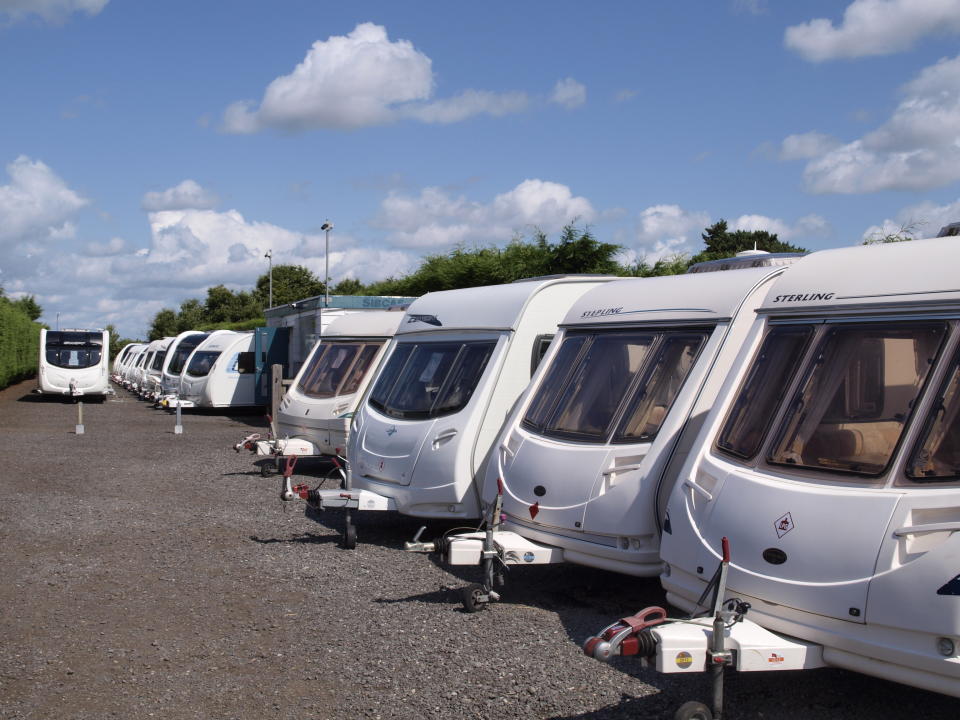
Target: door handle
column 446, row 435
column 620, row 468
column 926, row 529
column 698, row 489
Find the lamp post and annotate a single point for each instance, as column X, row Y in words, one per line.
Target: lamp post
column 327, row 227
column 269, row 256
column 58, row 321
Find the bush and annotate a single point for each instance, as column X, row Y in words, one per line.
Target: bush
column 19, row 345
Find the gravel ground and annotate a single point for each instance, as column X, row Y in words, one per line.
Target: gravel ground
column 148, row 574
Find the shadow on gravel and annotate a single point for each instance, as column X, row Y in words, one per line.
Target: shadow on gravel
column 303, row 539
column 32, row 397
column 444, row 596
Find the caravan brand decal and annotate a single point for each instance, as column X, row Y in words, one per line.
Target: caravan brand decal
column 391, row 430
column 784, row 524
column 601, row 312
column 428, row 319
column 684, row 659
column 806, row 297
column 775, row 659
column 951, row 588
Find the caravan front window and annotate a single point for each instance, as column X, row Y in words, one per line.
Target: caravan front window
column 937, row 455
column 182, row 353
column 859, row 390
column 334, row 367
column 588, row 385
column 202, row 362
column 430, row 379
column 73, row 350
column 158, row 360
column 766, row 383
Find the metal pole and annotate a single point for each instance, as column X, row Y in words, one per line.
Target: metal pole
column 270, row 259
column 58, row 321
column 79, row 427
column 327, row 227
column 178, row 428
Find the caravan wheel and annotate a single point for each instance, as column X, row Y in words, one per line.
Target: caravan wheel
column 473, row 597
column 693, row 710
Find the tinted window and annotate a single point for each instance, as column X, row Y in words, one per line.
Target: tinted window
column 182, row 352
column 332, row 368
column 246, row 362
column 69, row 349
column 859, row 390
column 202, row 362
column 598, row 377
column 761, row 393
column 158, row 360
column 937, row 455
column 430, row 379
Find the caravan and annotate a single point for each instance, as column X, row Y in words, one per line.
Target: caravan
column 176, row 358
column 315, row 413
column 586, row 460
column 219, row 372
column 825, row 484
column 460, row 359
column 123, row 360
column 73, row 362
column 148, row 379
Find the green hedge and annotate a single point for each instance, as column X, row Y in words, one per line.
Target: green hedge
column 19, row 345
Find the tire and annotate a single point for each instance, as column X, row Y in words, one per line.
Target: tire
column 693, row 710
column 267, row 469
column 470, row 596
column 350, row 536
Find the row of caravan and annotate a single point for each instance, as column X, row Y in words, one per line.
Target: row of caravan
column 781, row 433
column 214, row 369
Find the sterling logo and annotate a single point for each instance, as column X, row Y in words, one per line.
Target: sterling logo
column 391, row 430
column 808, row 297
column 428, row 319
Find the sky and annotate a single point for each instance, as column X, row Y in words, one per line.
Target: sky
column 150, row 150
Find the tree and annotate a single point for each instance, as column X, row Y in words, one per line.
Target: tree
column 348, row 286
column 29, row 306
column 906, row 232
column 290, row 283
column 191, row 315
column 721, row 243
column 164, row 325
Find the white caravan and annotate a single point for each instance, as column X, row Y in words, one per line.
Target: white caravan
column 178, row 353
column 132, row 370
column 123, row 359
column 829, row 471
column 459, row 361
column 314, row 416
column 589, row 455
column 150, row 376
column 220, row 372
column 74, row 362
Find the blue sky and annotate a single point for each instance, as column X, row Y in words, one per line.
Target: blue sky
column 153, row 149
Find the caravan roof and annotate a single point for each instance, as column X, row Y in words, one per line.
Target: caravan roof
column 489, row 307
column 673, row 298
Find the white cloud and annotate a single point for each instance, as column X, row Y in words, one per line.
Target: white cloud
column 873, row 27
column 807, row 145
column 54, row 11
column 569, row 93
column 359, row 80
column 807, row 226
column 665, row 230
column 185, row 196
column 113, row 246
column 916, row 149
column 36, row 204
column 436, row 219
column 624, row 95
column 924, row 219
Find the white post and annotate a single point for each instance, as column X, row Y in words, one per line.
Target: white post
column 79, row 428
column 178, row 428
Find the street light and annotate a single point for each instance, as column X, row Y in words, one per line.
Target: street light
column 269, row 256
column 58, row 321
column 327, row 227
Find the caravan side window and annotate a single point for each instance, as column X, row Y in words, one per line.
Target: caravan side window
column 936, row 457
column 332, row 367
column 360, row 368
column 859, row 390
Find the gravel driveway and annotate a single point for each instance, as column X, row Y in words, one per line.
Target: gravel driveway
column 148, row 574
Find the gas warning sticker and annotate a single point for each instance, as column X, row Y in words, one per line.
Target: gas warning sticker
column 684, row 660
